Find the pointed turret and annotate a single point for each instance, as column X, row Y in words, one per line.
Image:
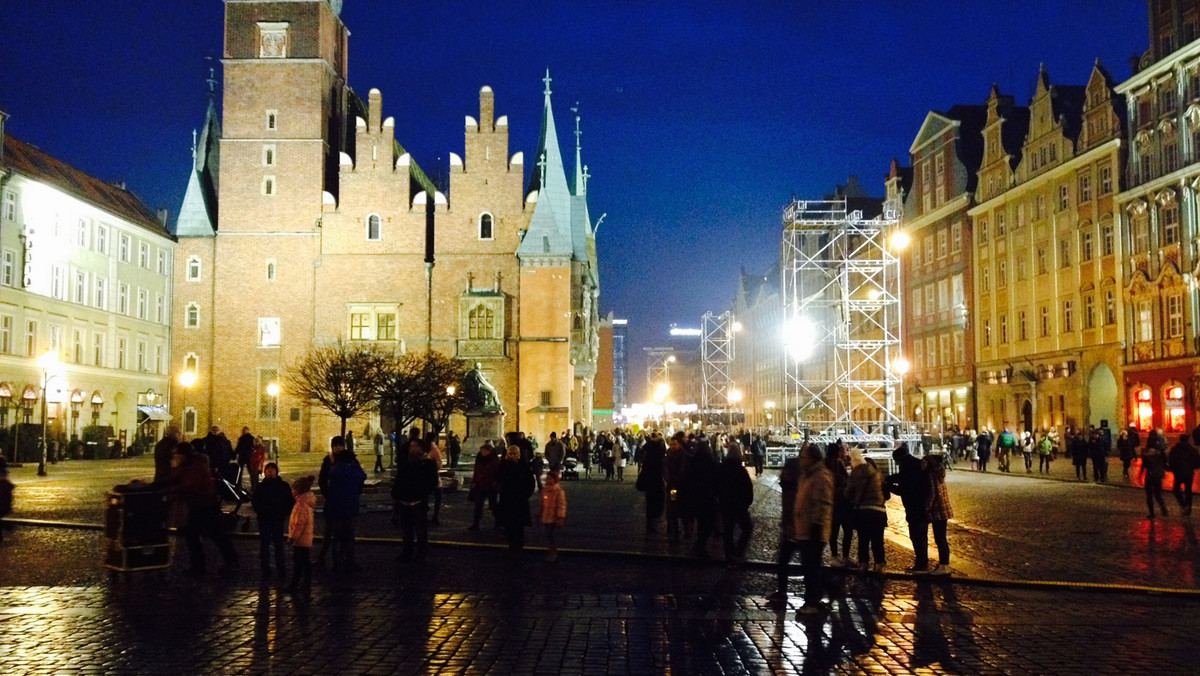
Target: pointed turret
column 582, row 245
column 198, row 213
column 549, row 231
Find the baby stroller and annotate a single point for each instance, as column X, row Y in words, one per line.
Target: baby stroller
column 229, row 487
column 569, row 471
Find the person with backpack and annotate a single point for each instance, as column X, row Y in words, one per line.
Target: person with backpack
column 1006, row 445
column 1045, row 451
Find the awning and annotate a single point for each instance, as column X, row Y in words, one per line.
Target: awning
column 152, row 414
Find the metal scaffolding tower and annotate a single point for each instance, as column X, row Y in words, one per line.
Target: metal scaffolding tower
column 841, row 287
column 658, row 366
column 716, row 356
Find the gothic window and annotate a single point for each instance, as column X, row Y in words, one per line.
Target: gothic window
column 192, row 316
column 193, row 269
column 374, row 233
column 482, row 323
column 485, row 226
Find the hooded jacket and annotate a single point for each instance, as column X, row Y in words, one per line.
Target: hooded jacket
column 554, row 503
column 300, row 526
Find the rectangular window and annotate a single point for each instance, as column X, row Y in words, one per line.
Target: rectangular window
column 1145, row 321
column 960, row 352
column 1174, row 315
column 1085, row 188
column 10, row 205
column 268, row 155
column 1041, row 206
column 928, row 249
column 1041, row 260
column 931, row 299
column 143, row 304
column 957, row 295
column 158, row 358
column 191, row 317
column 58, row 284
column 916, row 303
column 162, row 262
column 122, row 298
column 942, row 247
column 98, row 349
column 141, row 355
column 1003, row 329
column 916, row 256
column 272, row 119
column 983, row 229
column 1105, row 180
column 124, row 248
column 160, row 309
column 1001, row 274
column 268, row 332
column 1170, row 223
column 102, row 239
column 985, row 277
column 6, row 328
column 122, row 350
column 31, row 331
column 1089, row 312
column 193, row 269
column 268, row 185
column 944, row 355
column 385, row 326
column 931, row 352
column 1001, row 229
column 8, row 268
column 56, row 338
column 144, row 255
column 1141, row 234
column 83, row 230
column 1106, row 240
column 360, row 326
column 1022, row 326
column 955, row 237
column 546, row 398
column 1064, row 197
column 1068, row 316
column 268, row 405
column 81, row 287
column 1110, row 307
column 943, row 287
column 1085, row 246
column 1045, row 321
column 1064, row 253
column 100, row 298
column 1022, row 268
column 1020, row 215
column 77, row 346
column 987, row 333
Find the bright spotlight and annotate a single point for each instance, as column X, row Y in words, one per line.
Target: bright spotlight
column 901, row 240
column 900, row 365
column 800, row 337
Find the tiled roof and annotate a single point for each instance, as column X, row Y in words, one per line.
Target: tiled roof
column 33, row 163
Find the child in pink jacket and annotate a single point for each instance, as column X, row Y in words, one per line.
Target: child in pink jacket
column 300, row 531
column 554, row 511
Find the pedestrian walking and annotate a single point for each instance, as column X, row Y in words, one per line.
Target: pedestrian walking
column 346, row 479
column 1098, row 452
column 453, row 449
column 983, row 448
column 1027, row 452
column 243, row 452
column 1126, row 451
column 1006, row 446
column 699, row 493
column 1078, row 448
column 300, row 532
column 272, row 501
column 516, row 487
column 483, row 484
column 864, row 489
column 939, row 512
column 673, row 469
column 619, row 457
column 555, row 452
column 414, row 482
column 813, row 515
column 912, row 485
column 651, row 481
column 193, row 486
column 1045, row 450
column 735, row 494
column 1154, row 470
column 553, row 512
column 843, row 511
column 378, row 469
column 789, row 485
column 336, row 446
column 1183, row 461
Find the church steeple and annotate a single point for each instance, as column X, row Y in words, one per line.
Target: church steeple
column 198, row 212
column 549, row 231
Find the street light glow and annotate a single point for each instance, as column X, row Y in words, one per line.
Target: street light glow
column 450, row 390
column 661, row 392
column 901, row 240
column 187, row 378
column 48, row 361
column 900, row 365
column 735, row 396
column 273, row 389
column 800, row 337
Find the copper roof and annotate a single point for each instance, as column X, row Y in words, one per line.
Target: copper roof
column 33, row 163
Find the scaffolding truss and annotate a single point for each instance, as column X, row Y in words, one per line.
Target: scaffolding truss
column 716, row 358
column 658, row 367
column 842, row 321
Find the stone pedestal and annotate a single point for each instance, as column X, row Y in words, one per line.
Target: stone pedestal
column 483, row 427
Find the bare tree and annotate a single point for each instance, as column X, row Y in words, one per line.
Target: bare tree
column 342, row 378
column 400, row 391
column 441, row 379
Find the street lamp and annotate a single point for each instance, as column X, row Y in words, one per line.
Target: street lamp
column 186, row 380
column 273, row 392
column 900, row 240
column 47, row 362
column 660, row 397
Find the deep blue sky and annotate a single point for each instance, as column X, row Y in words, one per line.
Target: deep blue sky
column 701, row 118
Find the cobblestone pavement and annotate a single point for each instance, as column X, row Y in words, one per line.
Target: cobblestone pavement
column 1006, row 526
column 480, row 611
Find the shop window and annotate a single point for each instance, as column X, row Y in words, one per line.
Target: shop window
column 1143, row 413
column 1173, row 408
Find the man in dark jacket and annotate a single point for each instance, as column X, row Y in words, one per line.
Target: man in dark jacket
column 735, row 494
column 415, row 480
column 555, row 452
column 164, row 450
column 1183, row 461
column 699, row 494
column 219, row 451
column 243, row 451
column 345, row 483
column 983, row 448
column 912, row 485
column 651, row 480
column 272, row 502
column 192, row 484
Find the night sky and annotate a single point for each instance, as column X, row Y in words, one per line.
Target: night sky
column 701, row 119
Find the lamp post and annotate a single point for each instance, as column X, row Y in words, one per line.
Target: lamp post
column 901, row 367
column 46, row 362
column 450, row 390
column 273, row 392
column 660, row 398
column 186, row 380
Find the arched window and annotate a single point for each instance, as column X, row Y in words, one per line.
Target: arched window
column 189, row 421
column 578, row 322
column 193, row 269
column 485, row 226
column 192, row 318
column 482, row 323
column 373, row 230
column 1174, row 408
column 191, row 363
column 1143, row 407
